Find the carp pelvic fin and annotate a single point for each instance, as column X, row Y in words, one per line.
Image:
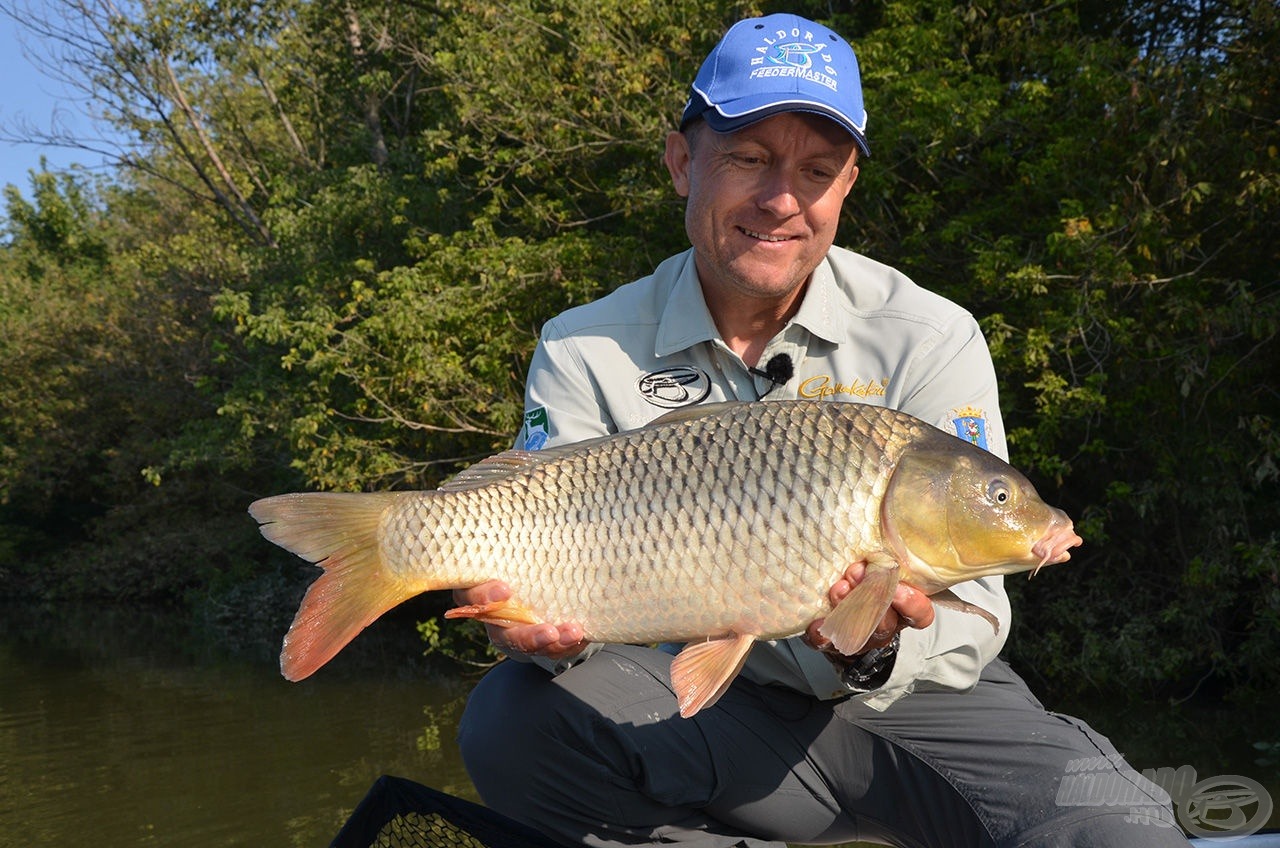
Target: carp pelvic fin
column 339, row 533
column 854, row 619
column 501, row 613
column 702, row 672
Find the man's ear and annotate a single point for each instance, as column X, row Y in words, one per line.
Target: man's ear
column 677, row 157
column 853, row 178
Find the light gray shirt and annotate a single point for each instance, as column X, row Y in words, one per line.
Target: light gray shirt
column 864, row 333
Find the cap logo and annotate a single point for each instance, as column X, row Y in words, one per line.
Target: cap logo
column 797, row 54
column 793, row 59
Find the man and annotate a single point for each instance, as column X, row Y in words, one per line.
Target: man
column 924, row 739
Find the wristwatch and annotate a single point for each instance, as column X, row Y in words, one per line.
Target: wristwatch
column 870, row 669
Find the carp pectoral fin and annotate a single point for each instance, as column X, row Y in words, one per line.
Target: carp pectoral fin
column 501, row 613
column 854, row 619
column 950, row 600
column 702, row 672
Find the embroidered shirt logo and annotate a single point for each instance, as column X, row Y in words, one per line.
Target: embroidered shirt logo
column 537, row 428
column 682, row 385
column 823, row 386
column 971, row 425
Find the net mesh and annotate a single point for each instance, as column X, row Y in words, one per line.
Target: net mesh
column 419, row 831
column 398, row 813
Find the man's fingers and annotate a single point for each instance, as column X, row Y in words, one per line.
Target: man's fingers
column 529, row 638
column 912, row 606
column 545, row 639
column 852, row 577
column 548, row 640
column 482, row 593
column 884, row 632
column 813, row 638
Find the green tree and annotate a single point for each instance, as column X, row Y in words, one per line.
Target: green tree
column 56, row 313
column 537, row 185
column 93, row 386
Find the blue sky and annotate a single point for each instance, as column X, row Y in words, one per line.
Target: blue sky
column 26, row 95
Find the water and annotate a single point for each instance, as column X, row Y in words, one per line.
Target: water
column 127, row 729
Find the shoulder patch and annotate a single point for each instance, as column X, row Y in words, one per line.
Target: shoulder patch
column 970, row 424
column 537, row 428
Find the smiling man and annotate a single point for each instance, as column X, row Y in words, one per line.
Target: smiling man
column 763, row 206
column 924, row 738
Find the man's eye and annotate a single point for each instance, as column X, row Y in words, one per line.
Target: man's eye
column 823, row 173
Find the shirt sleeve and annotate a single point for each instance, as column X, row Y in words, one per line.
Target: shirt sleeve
column 955, row 382
column 560, row 395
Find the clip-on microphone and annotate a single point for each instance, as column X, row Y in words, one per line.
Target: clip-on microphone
column 778, row 370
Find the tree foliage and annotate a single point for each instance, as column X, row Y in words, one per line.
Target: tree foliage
column 1100, row 189
column 338, row 226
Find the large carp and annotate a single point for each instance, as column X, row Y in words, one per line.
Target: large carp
column 717, row 525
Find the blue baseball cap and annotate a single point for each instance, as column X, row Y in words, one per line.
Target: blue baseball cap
column 780, row 63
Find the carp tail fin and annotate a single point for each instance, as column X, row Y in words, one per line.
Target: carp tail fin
column 338, row 532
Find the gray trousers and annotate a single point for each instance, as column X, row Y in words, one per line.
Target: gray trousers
column 597, row 756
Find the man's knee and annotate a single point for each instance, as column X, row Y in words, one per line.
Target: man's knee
column 1142, row 828
column 500, row 728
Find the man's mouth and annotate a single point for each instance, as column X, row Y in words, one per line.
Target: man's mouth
column 763, row 236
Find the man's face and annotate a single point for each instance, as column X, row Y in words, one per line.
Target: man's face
column 763, row 202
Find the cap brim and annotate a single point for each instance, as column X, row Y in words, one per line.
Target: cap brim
column 731, row 117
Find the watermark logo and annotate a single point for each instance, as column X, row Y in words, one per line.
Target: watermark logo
column 1228, row 806
column 1224, row 807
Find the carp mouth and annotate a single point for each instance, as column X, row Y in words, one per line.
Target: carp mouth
column 1056, row 543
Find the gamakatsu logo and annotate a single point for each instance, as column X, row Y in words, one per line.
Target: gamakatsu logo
column 673, row 387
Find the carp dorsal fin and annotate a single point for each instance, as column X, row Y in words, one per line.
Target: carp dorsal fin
column 693, row 413
column 500, row 466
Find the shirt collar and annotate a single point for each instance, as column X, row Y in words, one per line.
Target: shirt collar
column 817, row 312
column 686, row 321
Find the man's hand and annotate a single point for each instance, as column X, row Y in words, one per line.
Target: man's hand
column 549, row 640
column 910, row 608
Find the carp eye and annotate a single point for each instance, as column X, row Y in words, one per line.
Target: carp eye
column 998, row 492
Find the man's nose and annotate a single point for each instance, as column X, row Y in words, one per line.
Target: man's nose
column 777, row 193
